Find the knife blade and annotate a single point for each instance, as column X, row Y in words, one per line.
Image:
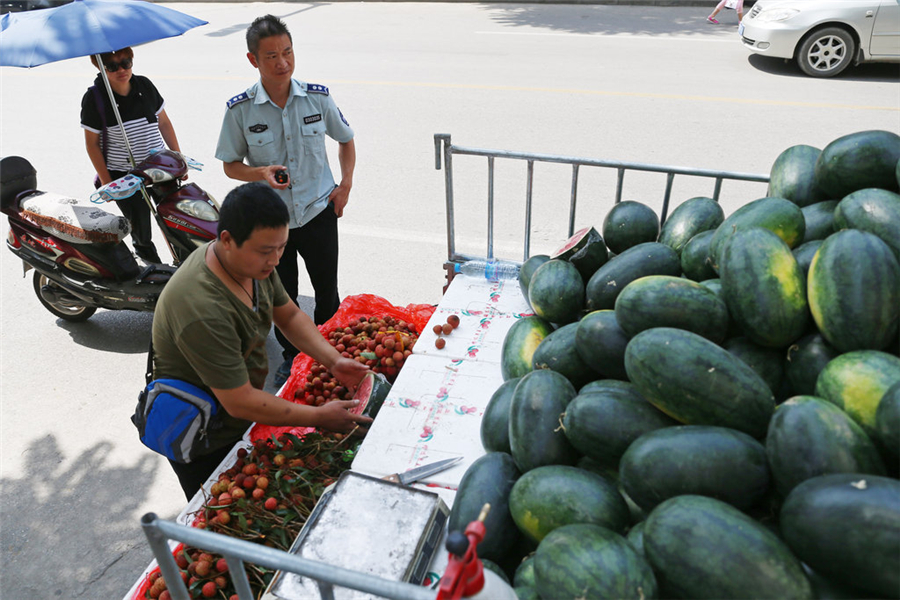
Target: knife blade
column 417, row 473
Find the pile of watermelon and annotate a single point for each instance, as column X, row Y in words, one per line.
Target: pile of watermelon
column 709, row 408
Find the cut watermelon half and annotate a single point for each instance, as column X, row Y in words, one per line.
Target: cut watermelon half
column 585, row 250
column 371, row 392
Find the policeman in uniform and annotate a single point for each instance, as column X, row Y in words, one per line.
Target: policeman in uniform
column 275, row 132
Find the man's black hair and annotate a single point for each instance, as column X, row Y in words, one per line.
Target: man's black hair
column 263, row 27
column 251, row 206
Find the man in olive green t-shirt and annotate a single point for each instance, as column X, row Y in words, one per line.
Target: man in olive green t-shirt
column 212, row 320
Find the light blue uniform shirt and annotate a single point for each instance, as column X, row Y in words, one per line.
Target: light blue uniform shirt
column 257, row 131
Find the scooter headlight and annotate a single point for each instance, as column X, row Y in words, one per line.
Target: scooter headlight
column 198, row 209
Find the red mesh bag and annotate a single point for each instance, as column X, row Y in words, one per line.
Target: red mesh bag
column 349, row 312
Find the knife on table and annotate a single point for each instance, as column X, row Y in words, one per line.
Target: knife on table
column 422, row 472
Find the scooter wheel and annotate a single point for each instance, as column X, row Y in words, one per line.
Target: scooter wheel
column 74, row 314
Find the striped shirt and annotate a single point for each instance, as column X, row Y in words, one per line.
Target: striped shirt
column 139, row 111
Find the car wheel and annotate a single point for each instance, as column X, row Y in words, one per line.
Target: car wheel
column 826, row 52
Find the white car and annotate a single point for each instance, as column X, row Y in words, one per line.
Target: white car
column 824, row 36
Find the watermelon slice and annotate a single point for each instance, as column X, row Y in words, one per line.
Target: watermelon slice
column 371, row 392
column 585, row 250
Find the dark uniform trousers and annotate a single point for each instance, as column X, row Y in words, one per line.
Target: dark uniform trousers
column 317, row 244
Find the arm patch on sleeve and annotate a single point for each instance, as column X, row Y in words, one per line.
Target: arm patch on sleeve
column 316, row 88
column 242, row 97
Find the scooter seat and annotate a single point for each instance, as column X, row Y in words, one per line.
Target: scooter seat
column 76, row 223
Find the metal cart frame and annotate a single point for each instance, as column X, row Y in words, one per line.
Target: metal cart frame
column 443, row 148
column 236, row 552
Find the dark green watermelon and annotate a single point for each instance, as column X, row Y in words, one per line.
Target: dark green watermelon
column 767, row 362
column 535, row 437
column 651, row 258
column 600, row 342
column 764, row 288
column 887, row 421
column 819, row 219
column 695, row 260
column 602, row 385
column 809, row 437
column 847, row 527
column 587, row 561
column 780, row 216
column 489, row 479
column 690, row 218
column 865, row 159
column 519, row 345
column 717, row 462
column 628, row 224
column 556, row 495
column 854, row 291
column 527, row 270
column 558, row 352
column 666, row 301
column 857, row 381
column 602, row 424
column 495, row 421
column 793, row 176
column 701, row 547
column 526, row 593
column 805, row 360
column 697, row 382
column 804, row 254
column 524, row 575
column 635, row 537
column 873, row 210
column 556, row 292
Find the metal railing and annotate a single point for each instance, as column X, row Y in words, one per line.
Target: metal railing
column 236, row 552
column 444, row 147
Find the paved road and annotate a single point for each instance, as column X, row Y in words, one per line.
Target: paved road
column 647, row 84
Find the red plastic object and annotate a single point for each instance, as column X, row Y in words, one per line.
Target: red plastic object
column 350, row 310
column 464, row 576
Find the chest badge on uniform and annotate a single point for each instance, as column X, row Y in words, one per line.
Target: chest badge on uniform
column 312, row 119
column 259, row 128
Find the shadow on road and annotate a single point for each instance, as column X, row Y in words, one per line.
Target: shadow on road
column 118, row 331
column 610, row 20
column 66, row 530
column 874, row 72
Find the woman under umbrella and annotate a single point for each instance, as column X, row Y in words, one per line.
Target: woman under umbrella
column 147, row 126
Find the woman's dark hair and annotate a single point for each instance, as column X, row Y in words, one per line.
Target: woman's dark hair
column 116, row 56
column 251, row 206
column 263, row 27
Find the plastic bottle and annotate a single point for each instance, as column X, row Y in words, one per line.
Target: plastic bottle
column 492, row 270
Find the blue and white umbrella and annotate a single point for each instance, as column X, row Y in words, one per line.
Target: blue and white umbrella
column 85, row 28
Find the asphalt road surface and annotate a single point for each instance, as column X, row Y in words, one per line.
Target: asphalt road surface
column 642, row 84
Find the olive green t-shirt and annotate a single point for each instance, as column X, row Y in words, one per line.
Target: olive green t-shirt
column 205, row 335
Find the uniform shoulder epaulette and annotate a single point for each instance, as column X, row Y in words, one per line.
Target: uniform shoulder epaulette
column 316, row 88
column 242, row 97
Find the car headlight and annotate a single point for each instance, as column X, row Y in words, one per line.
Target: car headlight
column 198, row 209
column 776, row 14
